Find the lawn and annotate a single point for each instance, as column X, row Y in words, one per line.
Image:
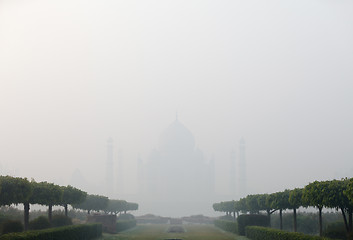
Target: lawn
column 160, row 232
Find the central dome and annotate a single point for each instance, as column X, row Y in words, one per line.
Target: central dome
column 177, row 139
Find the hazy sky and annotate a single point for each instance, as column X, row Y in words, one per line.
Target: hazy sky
column 278, row 73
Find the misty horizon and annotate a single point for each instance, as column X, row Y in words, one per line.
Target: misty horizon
column 277, row 73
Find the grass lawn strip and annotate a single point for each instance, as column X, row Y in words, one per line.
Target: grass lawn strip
column 160, row 232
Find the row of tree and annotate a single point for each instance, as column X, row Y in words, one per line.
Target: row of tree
column 101, row 203
column 336, row 194
column 15, row 190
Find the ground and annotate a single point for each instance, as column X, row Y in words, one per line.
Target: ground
column 160, row 232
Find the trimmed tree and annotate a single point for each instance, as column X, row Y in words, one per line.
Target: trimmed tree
column 264, row 203
column 72, row 196
column 335, row 198
column 243, row 207
column 280, row 202
column 295, row 201
column 45, row 193
column 116, row 206
column 93, row 202
column 130, row 206
column 313, row 195
column 349, row 190
column 253, row 203
column 16, row 190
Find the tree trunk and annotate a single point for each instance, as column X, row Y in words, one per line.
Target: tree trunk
column 295, row 219
column 345, row 220
column 26, row 215
column 269, row 217
column 280, row 220
column 65, row 206
column 350, row 213
column 320, row 220
column 234, row 215
column 50, row 211
column 88, row 211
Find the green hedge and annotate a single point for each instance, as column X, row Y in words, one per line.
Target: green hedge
column 335, row 230
column 77, row 232
column 228, row 226
column 263, row 233
column 124, row 225
column 10, row 226
column 251, row 220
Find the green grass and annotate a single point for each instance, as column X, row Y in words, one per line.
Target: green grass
column 159, row 232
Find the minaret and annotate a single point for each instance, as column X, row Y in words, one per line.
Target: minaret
column 213, row 174
column 232, row 172
column 242, row 169
column 109, row 176
column 120, row 175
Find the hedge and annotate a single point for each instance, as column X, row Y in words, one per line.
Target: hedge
column 228, row 226
column 76, row 232
column 125, row 224
column 251, row 220
column 263, row 233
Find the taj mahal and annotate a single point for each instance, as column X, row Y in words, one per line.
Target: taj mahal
column 176, row 175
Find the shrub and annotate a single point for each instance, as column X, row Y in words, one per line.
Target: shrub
column 227, row 218
column 77, row 232
column 251, row 220
column 60, row 220
column 3, row 219
column 125, row 216
column 39, row 223
column 124, row 225
column 350, row 236
column 263, row 233
column 336, row 230
column 10, row 226
column 229, row 226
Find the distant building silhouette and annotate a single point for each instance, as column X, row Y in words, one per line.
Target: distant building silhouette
column 233, row 174
column 119, row 176
column 176, row 176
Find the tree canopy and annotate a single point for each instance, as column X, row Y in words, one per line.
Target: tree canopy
column 93, row 202
column 14, row 190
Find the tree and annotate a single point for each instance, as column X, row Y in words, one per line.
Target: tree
column 116, row 206
column 295, row 201
column 280, row 202
column 253, row 203
column 71, row 196
column 93, row 202
column 335, row 198
column 313, row 195
column 217, row 207
column 237, row 207
column 130, row 206
column 45, row 193
column 242, row 205
column 15, row 191
column 265, row 203
column 349, row 190
column 227, row 207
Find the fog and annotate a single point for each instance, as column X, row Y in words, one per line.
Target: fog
column 277, row 73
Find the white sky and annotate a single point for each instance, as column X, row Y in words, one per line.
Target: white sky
column 278, row 73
